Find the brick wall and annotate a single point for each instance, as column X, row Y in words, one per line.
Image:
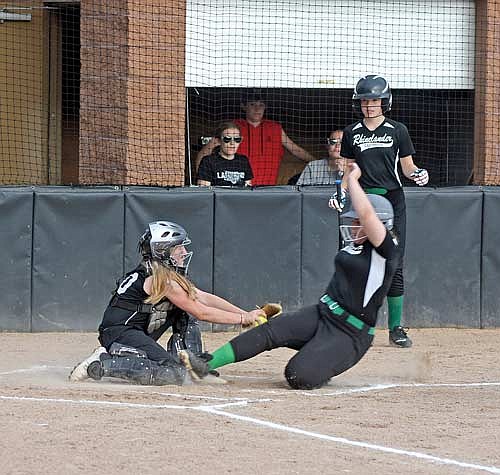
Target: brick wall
column 132, row 115
column 487, row 94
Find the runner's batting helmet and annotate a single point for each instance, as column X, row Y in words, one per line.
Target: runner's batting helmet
column 383, row 209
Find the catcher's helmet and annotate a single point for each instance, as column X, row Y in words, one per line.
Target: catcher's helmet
column 159, row 240
column 383, row 209
column 372, row 86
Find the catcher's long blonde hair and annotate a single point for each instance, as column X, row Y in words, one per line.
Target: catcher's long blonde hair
column 162, row 280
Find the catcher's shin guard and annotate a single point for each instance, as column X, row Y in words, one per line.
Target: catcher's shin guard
column 139, row 370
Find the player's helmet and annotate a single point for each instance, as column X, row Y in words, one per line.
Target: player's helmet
column 160, row 239
column 383, row 209
column 372, row 86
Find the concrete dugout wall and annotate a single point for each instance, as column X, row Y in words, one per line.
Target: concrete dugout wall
column 64, row 248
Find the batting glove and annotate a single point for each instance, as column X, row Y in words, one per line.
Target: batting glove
column 338, row 202
column 420, row 176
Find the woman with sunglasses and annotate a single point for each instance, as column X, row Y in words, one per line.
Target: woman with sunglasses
column 225, row 167
column 328, row 170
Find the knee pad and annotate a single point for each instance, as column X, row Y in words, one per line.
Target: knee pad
column 397, row 287
column 192, row 338
column 296, row 380
column 117, row 349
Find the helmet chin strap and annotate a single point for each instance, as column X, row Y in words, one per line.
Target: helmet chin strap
column 375, row 117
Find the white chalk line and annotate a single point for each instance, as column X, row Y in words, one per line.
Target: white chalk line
column 344, row 441
column 127, row 405
column 216, row 409
column 253, row 378
column 33, row 369
column 208, row 398
column 373, row 387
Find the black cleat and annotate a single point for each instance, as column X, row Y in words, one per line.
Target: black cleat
column 79, row 372
column 95, row 370
column 398, row 337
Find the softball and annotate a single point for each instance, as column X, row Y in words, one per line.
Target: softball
column 259, row 321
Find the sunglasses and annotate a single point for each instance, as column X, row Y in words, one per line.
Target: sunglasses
column 333, row 141
column 227, row 139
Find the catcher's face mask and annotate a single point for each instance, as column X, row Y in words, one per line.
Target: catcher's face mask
column 180, row 257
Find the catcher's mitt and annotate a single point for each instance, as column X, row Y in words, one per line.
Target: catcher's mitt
column 271, row 310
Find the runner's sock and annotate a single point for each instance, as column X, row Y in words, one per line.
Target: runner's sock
column 222, row 356
column 395, row 307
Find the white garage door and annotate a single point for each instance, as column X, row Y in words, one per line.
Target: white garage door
column 330, row 43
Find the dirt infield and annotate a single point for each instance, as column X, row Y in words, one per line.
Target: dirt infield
column 432, row 409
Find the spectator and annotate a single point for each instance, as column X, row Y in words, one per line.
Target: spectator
column 328, row 170
column 225, row 167
column 263, row 142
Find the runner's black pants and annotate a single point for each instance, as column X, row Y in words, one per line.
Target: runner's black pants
column 325, row 346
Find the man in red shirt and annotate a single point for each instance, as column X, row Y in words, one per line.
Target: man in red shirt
column 263, row 143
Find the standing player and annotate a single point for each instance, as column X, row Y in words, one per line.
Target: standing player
column 379, row 145
column 333, row 335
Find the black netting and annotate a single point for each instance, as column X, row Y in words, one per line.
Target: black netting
column 130, row 92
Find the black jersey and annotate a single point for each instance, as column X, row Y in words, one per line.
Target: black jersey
column 377, row 152
column 222, row 172
column 362, row 278
column 131, row 291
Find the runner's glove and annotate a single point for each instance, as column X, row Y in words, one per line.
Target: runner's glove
column 420, row 176
column 338, row 202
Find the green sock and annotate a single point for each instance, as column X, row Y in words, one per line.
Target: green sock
column 395, row 307
column 222, row 356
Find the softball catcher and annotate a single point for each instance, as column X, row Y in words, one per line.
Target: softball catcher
column 153, row 297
